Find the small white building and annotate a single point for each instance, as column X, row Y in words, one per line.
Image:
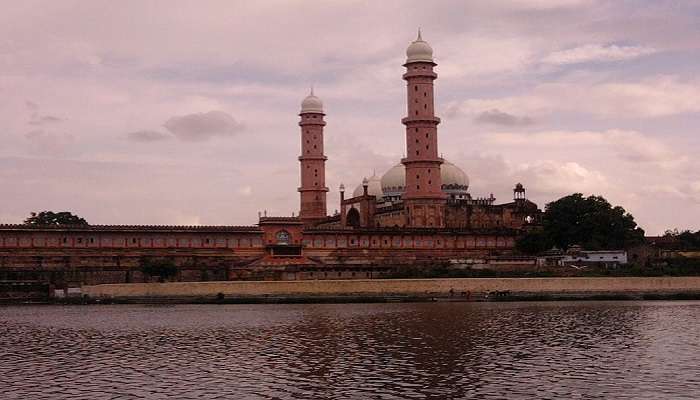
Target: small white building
column 609, row 257
column 577, row 256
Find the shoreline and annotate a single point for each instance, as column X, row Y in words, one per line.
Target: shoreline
column 397, row 290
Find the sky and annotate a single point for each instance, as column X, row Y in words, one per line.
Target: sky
column 185, row 112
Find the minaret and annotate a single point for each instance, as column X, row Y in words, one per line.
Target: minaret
column 424, row 200
column 313, row 163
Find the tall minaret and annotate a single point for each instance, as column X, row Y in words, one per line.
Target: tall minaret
column 423, row 199
column 313, row 163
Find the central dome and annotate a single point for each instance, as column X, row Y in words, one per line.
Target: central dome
column 454, row 180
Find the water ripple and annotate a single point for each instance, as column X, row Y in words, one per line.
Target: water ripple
column 641, row 350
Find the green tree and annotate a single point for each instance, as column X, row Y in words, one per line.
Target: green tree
column 591, row 222
column 45, row 218
column 163, row 268
column 533, row 243
column 686, row 240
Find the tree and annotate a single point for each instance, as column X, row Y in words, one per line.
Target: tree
column 163, row 268
column 533, row 243
column 687, row 239
column 591, row 222
column 45, row 218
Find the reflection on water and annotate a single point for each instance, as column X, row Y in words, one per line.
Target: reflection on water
column 642, row 350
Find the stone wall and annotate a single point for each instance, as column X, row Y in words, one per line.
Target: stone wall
column 386, row 287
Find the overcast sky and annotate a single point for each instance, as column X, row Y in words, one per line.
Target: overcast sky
column 185, row 112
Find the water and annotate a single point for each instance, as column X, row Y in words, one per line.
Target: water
column 641, row 350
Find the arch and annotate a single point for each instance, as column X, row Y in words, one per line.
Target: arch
column 353, row 218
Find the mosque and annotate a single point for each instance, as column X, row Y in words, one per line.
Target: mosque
column 419, row 213
column 422, row 190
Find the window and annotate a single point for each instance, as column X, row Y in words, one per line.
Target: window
column 283, row 238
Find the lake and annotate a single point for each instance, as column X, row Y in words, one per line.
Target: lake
column 520, row 350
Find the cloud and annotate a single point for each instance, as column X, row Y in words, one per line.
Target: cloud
column 203, row 126
column 597, row 53
column 660, row 96
column 631, row 146
column 147, row 136
column 36, row 118
column 245, row 190
column 44, row 119
column 498, row 117
column 51, row 144
column 689, row 191
column 557, row 178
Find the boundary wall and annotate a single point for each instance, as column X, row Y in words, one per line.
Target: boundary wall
column 396, row 287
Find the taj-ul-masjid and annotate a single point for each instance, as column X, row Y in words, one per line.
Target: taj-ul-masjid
column 419, row 213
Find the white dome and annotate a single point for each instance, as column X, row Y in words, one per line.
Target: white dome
column 453, row 179
column 419, row 50
column 394, row 180
column 374, row 187
column 311, row 104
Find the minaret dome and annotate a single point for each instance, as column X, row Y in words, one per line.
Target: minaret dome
column 311, row 104
column 419, row 51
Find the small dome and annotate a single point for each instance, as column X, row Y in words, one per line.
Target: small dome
column 311, row 104
column 374, row 187
column 454, row 180
column 419, row 51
